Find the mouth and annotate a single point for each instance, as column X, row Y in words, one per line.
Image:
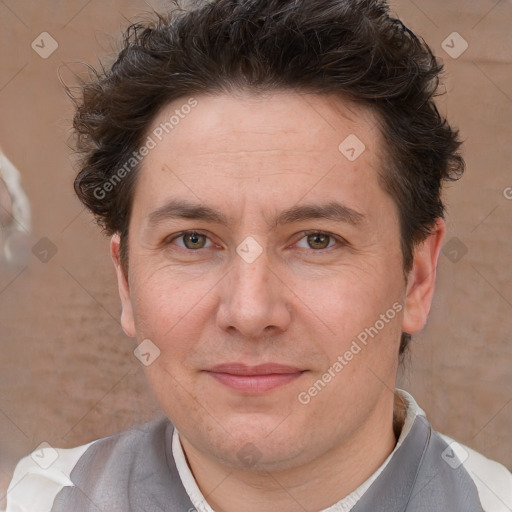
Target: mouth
column 254, row 379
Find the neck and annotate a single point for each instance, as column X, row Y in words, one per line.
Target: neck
column 314, row 486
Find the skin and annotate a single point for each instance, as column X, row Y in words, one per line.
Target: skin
column 299, row 303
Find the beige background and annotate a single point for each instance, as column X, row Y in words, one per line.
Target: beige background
column 67, row 372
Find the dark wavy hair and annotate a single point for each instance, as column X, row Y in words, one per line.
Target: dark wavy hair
column 351, row 48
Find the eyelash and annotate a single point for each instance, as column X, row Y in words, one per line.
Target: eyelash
column 340, row 241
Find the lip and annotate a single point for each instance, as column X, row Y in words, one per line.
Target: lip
column 260, row 369
column 254, row 379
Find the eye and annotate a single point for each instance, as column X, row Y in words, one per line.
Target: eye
column 192, row 240
column 317, row 240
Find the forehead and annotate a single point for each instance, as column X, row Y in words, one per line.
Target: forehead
column 254, row 148
column 261, row 122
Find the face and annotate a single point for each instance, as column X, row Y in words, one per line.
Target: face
column 263, row 259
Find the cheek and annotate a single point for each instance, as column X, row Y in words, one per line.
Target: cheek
column 362, row 307
column 358, row 293
column 170, row 308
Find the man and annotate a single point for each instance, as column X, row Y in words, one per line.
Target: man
column 270, row 173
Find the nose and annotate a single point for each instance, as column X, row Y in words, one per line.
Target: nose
column 255, row 302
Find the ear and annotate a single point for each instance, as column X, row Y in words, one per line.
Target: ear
column 127, row 319
column 421, row 280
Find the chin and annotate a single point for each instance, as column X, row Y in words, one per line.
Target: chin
column 256, row 445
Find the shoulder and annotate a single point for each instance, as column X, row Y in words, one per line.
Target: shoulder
column 449, row 474
column 41, row 476
column 492, row 480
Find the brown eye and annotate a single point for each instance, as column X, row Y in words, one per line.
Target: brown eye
column 193, row 240
column 318, row 240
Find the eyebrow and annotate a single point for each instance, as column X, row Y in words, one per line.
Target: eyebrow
column 181, row 209
column 334, row 211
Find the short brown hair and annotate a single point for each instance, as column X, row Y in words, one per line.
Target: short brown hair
column 351, row 48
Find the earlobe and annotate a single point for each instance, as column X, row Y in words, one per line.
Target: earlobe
column 127, row 318
column 421, row 280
